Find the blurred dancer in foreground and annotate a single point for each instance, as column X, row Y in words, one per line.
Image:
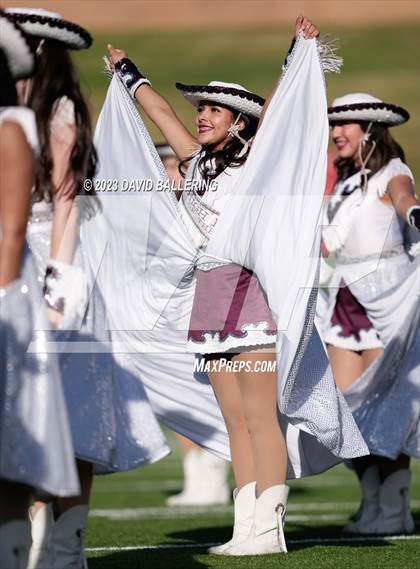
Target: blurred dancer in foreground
column 35, row 442
column 112, row 426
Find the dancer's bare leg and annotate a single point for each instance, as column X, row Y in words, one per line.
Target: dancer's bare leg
column 186, row 444
column 348, row 365
column 226, row 387
column 259, row 400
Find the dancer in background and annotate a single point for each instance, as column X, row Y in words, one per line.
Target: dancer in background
column 177, row 247
column 205, row 475
column 112, row 426
column 371, row 315
column 35, row 442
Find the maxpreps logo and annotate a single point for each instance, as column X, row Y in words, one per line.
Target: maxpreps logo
column 235, row 366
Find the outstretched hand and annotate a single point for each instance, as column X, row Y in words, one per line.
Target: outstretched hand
column 310, row 31
column 115, row 55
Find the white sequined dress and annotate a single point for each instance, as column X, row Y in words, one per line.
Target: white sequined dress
column 35, row 440
column 372, row 262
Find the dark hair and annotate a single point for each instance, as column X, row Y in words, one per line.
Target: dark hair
column 214, row 162
column 56, row 77
column 385, row 150
column 8, row 95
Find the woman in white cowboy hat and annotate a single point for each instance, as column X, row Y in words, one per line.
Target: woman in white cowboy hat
column 35, row 441
column 109, row 434
column 231, row 321
column 371, row 318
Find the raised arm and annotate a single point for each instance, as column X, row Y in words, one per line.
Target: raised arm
column 62, row 279
column 401, row 193
column 310, row 31
column 16, row 179
column 158, row 109
column 64, row 226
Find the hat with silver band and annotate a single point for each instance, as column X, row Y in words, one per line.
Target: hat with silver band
column 359, row 107
column 13, row 43
column 230, row 94
column 50, row 25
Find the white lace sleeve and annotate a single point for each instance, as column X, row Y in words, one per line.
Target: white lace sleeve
column 395, row 167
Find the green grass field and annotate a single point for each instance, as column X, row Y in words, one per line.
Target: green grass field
column 382, row 61
column 130, row 526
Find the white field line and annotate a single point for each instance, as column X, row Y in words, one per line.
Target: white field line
column 140, row 514
column 221, row 511
column 340, row 510
column 314, row 540
column 131, row 486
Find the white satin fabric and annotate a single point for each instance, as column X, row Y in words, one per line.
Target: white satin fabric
column 143, row 258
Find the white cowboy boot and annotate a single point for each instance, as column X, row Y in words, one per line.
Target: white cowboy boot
column 369, row 510
column 15, row 539
column 42, row 521
column 214, row 476
column 244, row 508
column 67, row 539
column 205, row 481
column 192, row 473
column 267, row 532
column 394, row 506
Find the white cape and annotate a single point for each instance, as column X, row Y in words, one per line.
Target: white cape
column 144, row 262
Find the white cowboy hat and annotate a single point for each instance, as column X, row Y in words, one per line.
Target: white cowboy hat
column 364, row 107
column 229, row 94
column 16, row 49
column 50, row 25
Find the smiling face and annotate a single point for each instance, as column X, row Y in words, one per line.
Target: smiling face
column 212, row 122
column 346, row 137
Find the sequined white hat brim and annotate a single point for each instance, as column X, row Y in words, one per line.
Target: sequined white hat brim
column 18, row 53
column 50, row 25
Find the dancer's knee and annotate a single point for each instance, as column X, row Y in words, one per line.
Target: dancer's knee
column 234, row 418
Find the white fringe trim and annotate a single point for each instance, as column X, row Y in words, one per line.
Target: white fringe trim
column 327, row 49
column 108, row 70
column 256, row 335
column 368, row 339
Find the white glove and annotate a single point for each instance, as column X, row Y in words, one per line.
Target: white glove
column 66, row 291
